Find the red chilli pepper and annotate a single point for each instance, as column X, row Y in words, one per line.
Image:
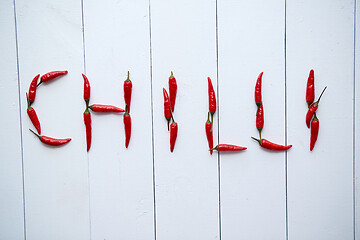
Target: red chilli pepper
column 52, row 141
column 314, row 131
column 87, row 121
column 172, row 91
column 167, row 111
column 228, row 147
column 86, row 89
column 105, row 108
column 51, row 75
column 260, row 119
column 32, row 89
column 271, row 146
column 312, row 109
column 127, row 125
column 310, row 88
column 212, row 100
column 127, row 91
column 173, row 133
column 209, row 133
column 258, row 98
column 33, row 116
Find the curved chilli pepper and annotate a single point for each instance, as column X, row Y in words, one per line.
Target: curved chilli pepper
column 209, row 133
column 271, row 146
column 228, row 147
column 87, row 121
column 32, row 89
column 310, row 88
column 312, row 109
column 127, row 91
column 314, row 131
column 172, row 91
column 51, row 75
column 258, row 98
column 127, row 125
column 86, row 89
column 260, row 119
column 52, row 141
column 105, row 108
column 33, row 116
column 173, row 135
column 167, row 111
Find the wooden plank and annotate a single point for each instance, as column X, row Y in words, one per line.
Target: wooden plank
column 320, row 183
column 11, row 185
column 357, row 118
column 121, row 180
column 56, row 179
column 252, row 182
column 184, row 41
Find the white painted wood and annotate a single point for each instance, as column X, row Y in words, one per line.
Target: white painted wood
column 320, row 183
column 252, row 182
column 11, row 188
column 121, row 180
column 357, row 122
column 56, row 179
column 183, row 41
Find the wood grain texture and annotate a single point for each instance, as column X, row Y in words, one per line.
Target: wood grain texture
column 11, row 184
column 252, row 182
column 183, row 41
column 56, row 179
column 320, row 183
column 121, row 180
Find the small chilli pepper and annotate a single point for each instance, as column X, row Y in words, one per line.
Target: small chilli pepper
column 51, row 75
column 314, row 131
column 173, row 133
column 33, row 116
column 228, row 147
column 258, row 98
column 209, row 133
column 52, row 141
column 312, row 109
column 260, row 119
column 271, row 146
column 172, row 91
column 87, row 121
column 86, row 89
column 105, row 108
column 127, row 125
column 32, row 89
column 167, row 111
column 212, row 100
column 310, row 88
column 127, row 91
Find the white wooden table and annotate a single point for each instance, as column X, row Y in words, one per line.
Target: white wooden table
column 145, row 192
